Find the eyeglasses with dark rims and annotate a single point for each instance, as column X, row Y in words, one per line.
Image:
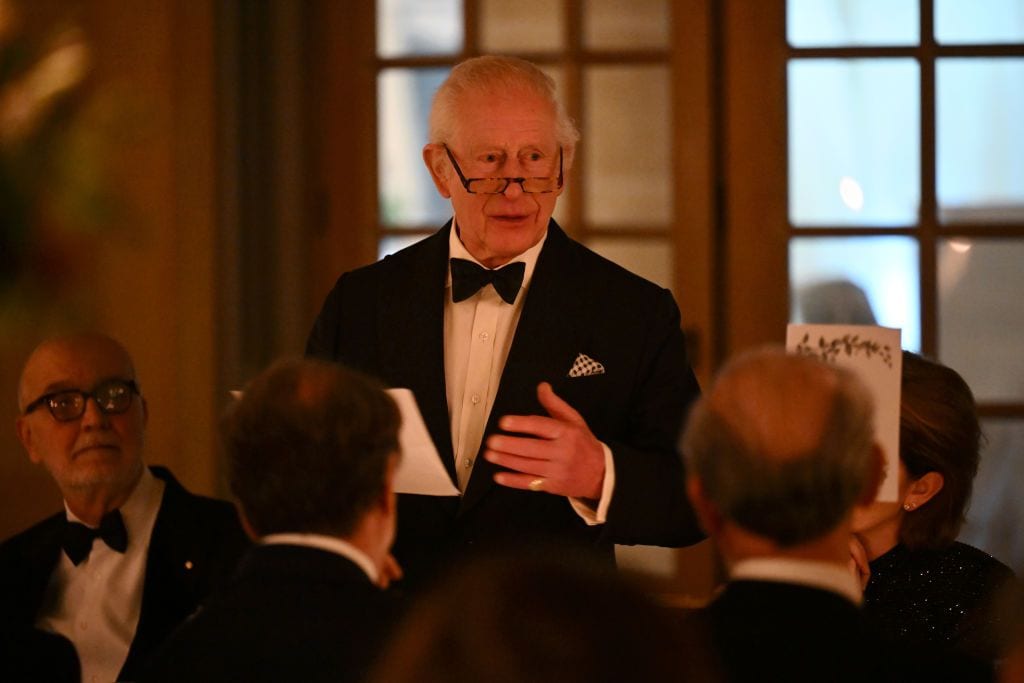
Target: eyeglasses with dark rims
column 113, row 397
column 499, row 185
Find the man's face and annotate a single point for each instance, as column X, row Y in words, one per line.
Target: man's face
column 508, row 135
column 96, row 450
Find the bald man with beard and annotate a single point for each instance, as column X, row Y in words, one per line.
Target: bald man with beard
column 132, row 553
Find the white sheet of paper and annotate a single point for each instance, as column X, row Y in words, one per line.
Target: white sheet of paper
column 874, row 354
column 420, row 469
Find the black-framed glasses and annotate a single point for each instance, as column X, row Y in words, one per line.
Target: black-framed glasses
column 499, row 185
column 113, row 397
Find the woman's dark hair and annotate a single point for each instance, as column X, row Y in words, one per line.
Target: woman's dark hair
column 939, row 432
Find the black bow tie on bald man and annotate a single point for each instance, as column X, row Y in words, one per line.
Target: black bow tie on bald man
column 468, row 278
column 78, row 537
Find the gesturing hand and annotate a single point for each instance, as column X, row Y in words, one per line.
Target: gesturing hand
column 557, row 454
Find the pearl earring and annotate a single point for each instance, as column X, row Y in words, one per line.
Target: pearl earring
column 908, row 506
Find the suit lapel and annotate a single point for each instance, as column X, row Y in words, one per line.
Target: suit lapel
column 542, row 348
column 411, row 331
column 28, row 584
column 166, row 584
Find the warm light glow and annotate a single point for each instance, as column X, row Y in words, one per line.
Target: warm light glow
column 851, row 193
column 960, row 246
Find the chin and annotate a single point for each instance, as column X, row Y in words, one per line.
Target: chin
column 515, row 244
column 99, row 472
column 870, row 516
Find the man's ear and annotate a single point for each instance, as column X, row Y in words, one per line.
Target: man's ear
column 247, row 526
column 437, row 163
column 922, row 489
column 24, row 431
column 877, row 476
column 707, row 513
column 388, row 500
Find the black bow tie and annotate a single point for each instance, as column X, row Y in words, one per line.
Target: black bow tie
column 468, row 278
column 78, row 538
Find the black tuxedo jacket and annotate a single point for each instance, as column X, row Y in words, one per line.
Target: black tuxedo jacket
column 773, row 631
column 387, row 319
column 195, row 546
column 32, row 654
column 291, row 613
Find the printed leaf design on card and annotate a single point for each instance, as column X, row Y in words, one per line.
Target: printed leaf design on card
column 849, row 345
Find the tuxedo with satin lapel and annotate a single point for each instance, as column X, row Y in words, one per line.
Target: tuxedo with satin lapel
column 291, row 613
column 195, row 546
column 387, row 319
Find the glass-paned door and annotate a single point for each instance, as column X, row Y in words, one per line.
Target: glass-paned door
column 905, row 160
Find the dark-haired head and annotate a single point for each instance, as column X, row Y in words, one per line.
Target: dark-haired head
column 308, row 446
column 939, row 432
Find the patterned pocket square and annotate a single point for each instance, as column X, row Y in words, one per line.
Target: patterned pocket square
column 584, row 366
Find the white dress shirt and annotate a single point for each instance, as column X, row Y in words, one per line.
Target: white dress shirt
column 331, row 544
column 478, row 334
column 96, row 604
column 823, row 575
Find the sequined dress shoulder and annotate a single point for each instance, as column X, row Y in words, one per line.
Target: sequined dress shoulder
column 942, row 597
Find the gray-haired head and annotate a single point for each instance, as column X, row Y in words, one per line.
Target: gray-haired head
column 497, row 74
column 783, row 445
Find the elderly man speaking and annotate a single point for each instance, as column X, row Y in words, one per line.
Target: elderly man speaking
column 553, row 382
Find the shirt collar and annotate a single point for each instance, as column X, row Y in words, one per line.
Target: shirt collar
column 331, row 544
column 822, row 575
column 456, row 249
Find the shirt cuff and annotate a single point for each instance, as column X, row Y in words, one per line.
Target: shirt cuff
column 582, row 505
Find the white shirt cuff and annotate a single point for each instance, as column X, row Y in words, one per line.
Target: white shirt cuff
column 589, row 515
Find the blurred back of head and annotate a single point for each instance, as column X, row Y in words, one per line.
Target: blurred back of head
column 939, row 432
column 835, row 301
column 308, row 447
column 521, row 617
column 783, row 444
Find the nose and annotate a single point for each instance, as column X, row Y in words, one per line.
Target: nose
column 94, row 417
column 514, row 189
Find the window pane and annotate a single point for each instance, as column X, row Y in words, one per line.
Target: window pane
column 628, row 146
column 856, row 280
column 521, row 26
column 830, row 23
column 625, row 24
column 854, row 142
column 418, row 27
column 407, row 195
column 981, row 314
column 980, row 139
column 979, row 21
column 651, row 259
column 562, row 208
column 389, row 245
column 996, row 513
